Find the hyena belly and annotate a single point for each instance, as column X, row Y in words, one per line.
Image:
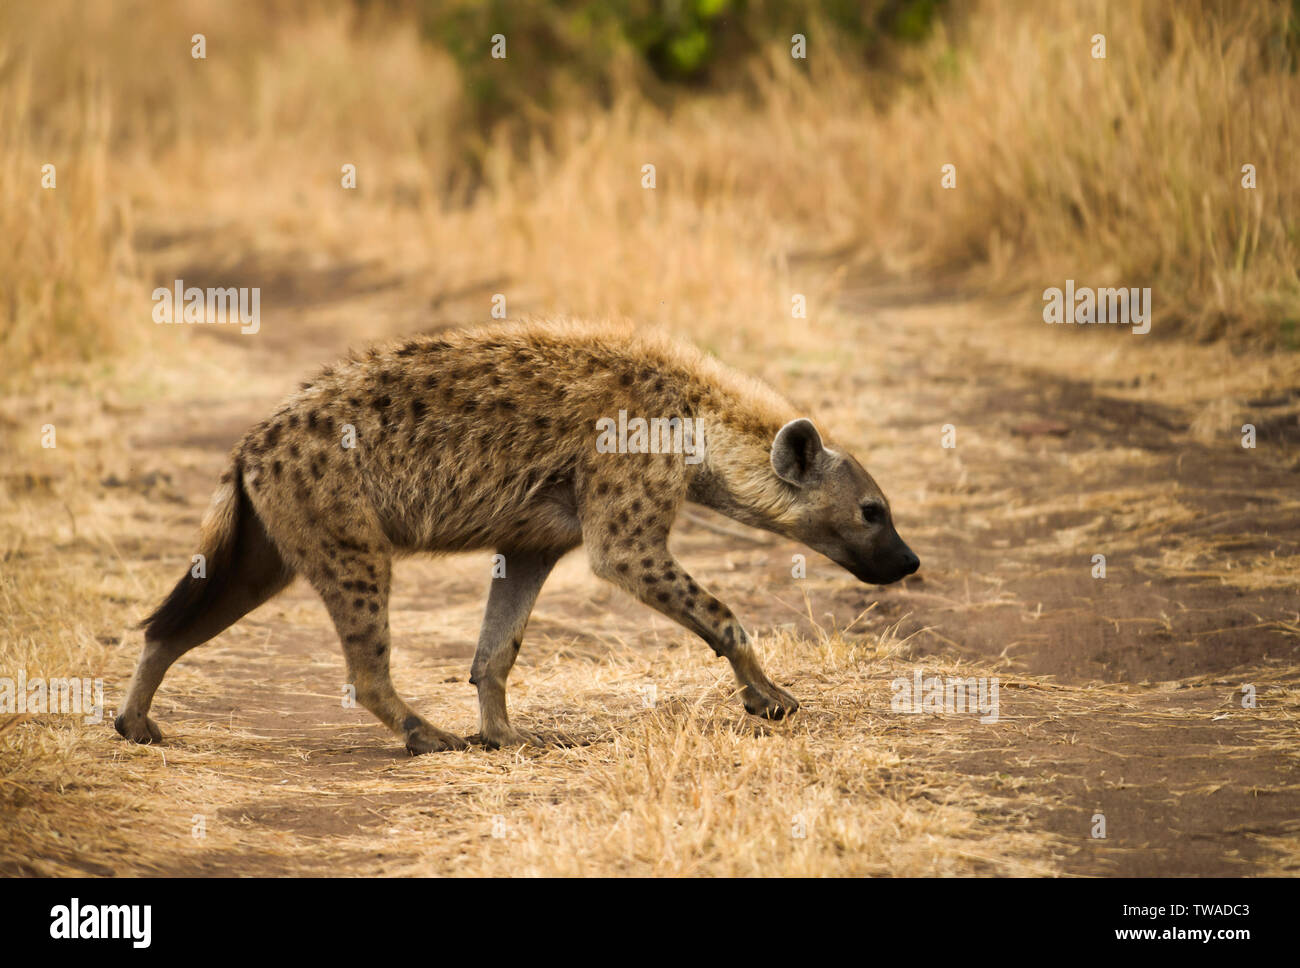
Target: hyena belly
column 528, row 511
column 445, row 483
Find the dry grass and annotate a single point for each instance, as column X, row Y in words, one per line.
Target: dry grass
column 1126, row 171
column 69, row 257
column 690, row 787
column 1123, row 171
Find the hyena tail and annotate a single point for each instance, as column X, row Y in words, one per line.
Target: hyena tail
column 240, row 568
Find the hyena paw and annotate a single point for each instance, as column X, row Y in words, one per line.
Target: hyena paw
column 770, row 701
column 429, row 739
column 138, row 729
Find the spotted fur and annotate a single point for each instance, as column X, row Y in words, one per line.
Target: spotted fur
column 486, row 439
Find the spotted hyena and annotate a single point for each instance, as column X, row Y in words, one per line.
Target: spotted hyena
column 504, row 438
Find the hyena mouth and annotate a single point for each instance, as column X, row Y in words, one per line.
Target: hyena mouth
column 882, row 576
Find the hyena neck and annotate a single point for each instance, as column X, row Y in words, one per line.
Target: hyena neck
column 736, row 476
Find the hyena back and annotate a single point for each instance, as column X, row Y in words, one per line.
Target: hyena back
column 487, row 439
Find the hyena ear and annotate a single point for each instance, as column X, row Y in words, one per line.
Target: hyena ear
column 795, row 451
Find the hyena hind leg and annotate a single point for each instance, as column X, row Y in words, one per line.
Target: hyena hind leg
column 355, row 588
column 197, row 611
column 510, row 602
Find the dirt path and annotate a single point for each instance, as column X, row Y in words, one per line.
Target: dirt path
column 1122, row 695
column 1199, row 599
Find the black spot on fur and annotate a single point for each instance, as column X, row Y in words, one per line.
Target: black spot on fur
column 320, row 423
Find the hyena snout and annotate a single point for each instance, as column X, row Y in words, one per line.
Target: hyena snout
column 888, row 565
column 909, row 562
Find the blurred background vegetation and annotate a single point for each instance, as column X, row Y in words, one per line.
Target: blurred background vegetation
column 1124, row 170
column 566, row 53
column 589, row 46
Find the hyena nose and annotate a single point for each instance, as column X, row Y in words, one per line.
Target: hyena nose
column 911, row 563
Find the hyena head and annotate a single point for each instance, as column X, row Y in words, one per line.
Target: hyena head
column 837, row 508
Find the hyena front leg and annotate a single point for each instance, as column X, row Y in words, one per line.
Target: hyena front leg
column 510, row 602
column 648, row 570
column 355, row 585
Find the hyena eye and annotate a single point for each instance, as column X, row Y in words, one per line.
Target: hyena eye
column 873, row 512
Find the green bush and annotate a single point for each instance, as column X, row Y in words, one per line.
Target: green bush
column 562, row 47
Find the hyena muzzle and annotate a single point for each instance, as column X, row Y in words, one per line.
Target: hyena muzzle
column 488, row 439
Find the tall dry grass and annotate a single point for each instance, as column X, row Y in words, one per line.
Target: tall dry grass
column 68, row 246
column 1122, row 171
column 1126, row 171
